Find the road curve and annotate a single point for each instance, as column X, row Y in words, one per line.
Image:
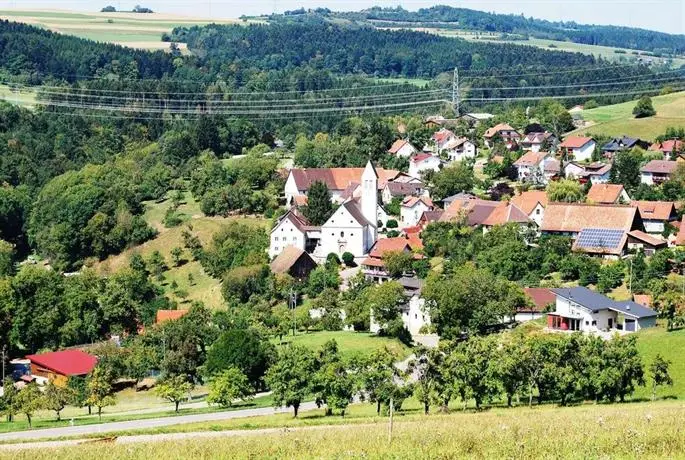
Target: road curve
column 103, row 428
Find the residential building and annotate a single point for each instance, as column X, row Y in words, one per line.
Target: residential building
column 580, row 309
column 422, row 162
column 293, row 229
column 536, row 141
column 474, row 118
column 531, row 167
column 578, row 148
column 649, row 244
column 460, row 149
column 402, row 148
column 338, row 180
column 413, row 313
column 657, row 171
column 532, row 203
column 373, row 266
column 459, row 196
column 504, row 132
column 477, row 212
column 439, row 140
column 656, row 214
column 436, row 121
column 293, row 261
column 607, row 194
column 680, row 236
column 58, row 366
column 412, row 209
column 668, row 148
column 541, row 299
column 402, row 190
column 596, row 173
column 618, row 144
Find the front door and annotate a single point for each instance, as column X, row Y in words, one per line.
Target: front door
column 611, row 323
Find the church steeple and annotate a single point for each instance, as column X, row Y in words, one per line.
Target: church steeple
column 369, row 199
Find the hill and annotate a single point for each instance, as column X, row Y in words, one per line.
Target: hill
column 617, row 119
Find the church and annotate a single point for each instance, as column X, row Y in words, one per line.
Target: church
column 352, row 227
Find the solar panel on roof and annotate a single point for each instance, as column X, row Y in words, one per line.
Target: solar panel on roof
column 599, row 238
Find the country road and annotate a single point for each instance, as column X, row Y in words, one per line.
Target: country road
column 104, row 428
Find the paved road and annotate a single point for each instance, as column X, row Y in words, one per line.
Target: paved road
column 103, row 428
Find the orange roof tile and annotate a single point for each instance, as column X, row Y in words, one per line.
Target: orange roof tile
column 575, row 142
column 680, row 239
column 505, row 214
column 541, row 297
column 573, row 217
column 605, row 193
column 643, row 299
column 531, row 158
column 398, row 144
column 647, row 238
column 337, row 178
column 655, row 210
column 411, row 201
column 527, row 201
column 497, row 128
column 389, row 245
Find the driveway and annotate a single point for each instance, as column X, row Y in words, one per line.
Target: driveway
column 104, row 428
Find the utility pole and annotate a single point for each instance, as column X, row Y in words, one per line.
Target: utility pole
column 4, row 347
column 630, row 280
column 455, row 91
column 391, row 410
column 292, row 300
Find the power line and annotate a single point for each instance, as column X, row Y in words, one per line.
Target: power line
column 572, row 96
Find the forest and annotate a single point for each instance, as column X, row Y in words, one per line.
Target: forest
column 462, row 18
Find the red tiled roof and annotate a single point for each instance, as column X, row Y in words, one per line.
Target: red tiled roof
column 414, row 240
column 411, row 201
column 389, row 245
column 419, row 157
column 442, row 135
column 655, row 210
column 398, row 144
column 531, row 158
column 643, row 299
column 541, row 297
column 667, row 146
column 575, row 142
column 527, row 201
column 337, row 178
column 660, row 167
column 680, row 239
column 497, row 128
column 573, row 217
column 647, row 238
column 505, row 214
column 67, row 362
column 169, row 315
column 373, row 262
column 605, row 193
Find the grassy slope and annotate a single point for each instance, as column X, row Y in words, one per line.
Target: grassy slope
column 205, row 288
column 349, row 343
column 23, row 98
column 624, row 431
column 617, row 119
column 671, row 345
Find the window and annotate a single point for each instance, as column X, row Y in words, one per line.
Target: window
column 587, row 323
column 594, row 323
column 537, row 211
column 294, row 238
column 342, row 234
column 276, row 249
column 276, row 239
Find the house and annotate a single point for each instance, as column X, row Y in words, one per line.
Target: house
column 532, row 203
column 536, row 141
column 435, row 121
column 373, row 266
column 580, row 309
column 412, row 209
column 541, row 299
column 422, row 162
column 413, row 314
column 352, row 227
column 439, row 140
column 402, row 148
column 459, row 196
column 680, row 237
column 657, row 171
column 336, row 179
column 596, row 173
column 402, row 190
column 656, row 214
column 293, row 261
column 485, row 213
column 551, row 169
column 649, row 244
column 531, row 167
column 668, row 148
column 58, row 366
column 578, row 148
column 475, row 118
column 618, row 144
column 596, row 229
column 643, row 299
column 459, row 149
column 169, row 315
column 504, row 132
column 607, row 194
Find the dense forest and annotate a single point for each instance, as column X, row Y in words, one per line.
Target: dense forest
column 462, row 18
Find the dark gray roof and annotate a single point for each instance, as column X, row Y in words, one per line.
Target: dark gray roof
column 352, row 207
column 595, row 301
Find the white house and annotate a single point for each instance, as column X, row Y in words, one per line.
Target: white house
column 414, row 315
column 580, row 309
column 423, row 162
column 459, row 149
column 502, row 131
column 595, row 173
column 402, row 190
column 657, row 171
column 535, row 141
column 532, row 203
column 402, row 148
column 656, row 214
column 439, row 140
column 293, row 229
column 531, row 167
column 578, row 148
column 413, row 208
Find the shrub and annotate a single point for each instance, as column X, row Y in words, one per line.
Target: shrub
column 392, row 223
column 348, row 259
column 332, row 259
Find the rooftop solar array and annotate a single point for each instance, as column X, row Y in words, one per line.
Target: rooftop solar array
column 599, row 238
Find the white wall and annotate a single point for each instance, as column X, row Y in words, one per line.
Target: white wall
column 647, row 178
column 342, row 233
column 467, row 150
column 430, row 163
column 538, row 214
column 603, row 179
column 410, row 217
column 406, row 151
column 585, row 152
column 653, row 226
column 572, row 170
column 285, row 234
column 291, row 188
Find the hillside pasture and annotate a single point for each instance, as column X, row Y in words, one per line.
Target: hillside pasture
column 350, row 344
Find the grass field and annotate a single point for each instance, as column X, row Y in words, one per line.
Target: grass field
column 204, row 288
column 617, row 119
column 349, row 343
column 130, row 29
column 23, row 98
column 646, row 430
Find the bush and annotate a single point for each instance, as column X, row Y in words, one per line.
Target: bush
column 392, row 223
column 348, row 259
column 332, row 259
column 393, row 234
column 644, row 108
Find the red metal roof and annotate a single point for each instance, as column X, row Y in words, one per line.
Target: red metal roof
column 67, row 362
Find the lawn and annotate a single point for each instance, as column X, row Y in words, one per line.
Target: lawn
column 350, row 343
column 203, row 288
column 671, row 345
column 644, row 430
column 617, row 119
column 23, row 97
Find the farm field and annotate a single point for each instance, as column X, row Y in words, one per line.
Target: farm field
column 204, row 288
column 136, row 30
column 350, row 343
column 617, row 119
column 645, row 430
